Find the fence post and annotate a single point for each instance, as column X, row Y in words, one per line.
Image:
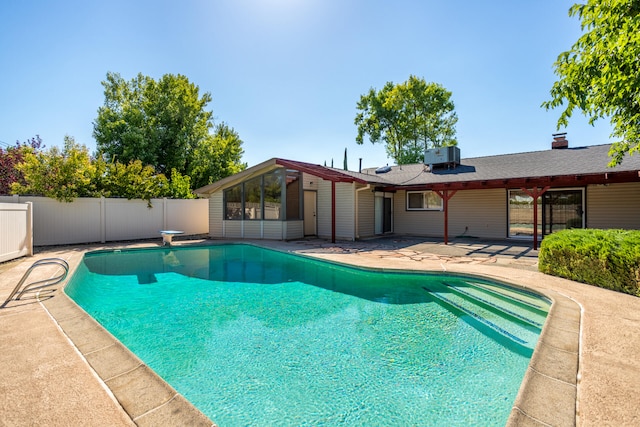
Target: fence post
column 29, row 229
column 164, row 214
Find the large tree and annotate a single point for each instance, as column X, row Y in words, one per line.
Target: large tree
column 600, row 74
column 409, row 118
column 216, row 157
column 162, row 123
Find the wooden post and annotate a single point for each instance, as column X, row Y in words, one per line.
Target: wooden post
column 535, row 193
column 445, row 195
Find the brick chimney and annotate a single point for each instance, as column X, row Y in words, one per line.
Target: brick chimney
column 559, row 141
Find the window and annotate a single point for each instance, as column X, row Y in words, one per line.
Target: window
column 233, row 202
column 253, row 198
column 294, row 191
column 265, row 197
column 423, row 201
column 272, row 194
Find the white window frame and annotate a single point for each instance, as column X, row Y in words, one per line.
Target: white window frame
column 425, row 201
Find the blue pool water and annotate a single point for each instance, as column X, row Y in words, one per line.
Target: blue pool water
column 258, row 337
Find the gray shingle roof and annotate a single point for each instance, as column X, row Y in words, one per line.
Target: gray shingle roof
column 559, row 162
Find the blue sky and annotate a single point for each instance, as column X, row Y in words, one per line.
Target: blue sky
column 287, row 74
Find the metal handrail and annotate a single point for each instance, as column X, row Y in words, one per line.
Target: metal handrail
column 47, row 282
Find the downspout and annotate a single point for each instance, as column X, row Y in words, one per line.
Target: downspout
column 356, row 221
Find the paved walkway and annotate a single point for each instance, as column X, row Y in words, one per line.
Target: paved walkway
column 59, row 368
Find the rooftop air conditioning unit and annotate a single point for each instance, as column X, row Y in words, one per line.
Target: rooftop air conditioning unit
column 442, row 156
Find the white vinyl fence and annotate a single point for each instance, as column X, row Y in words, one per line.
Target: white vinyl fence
column 16, row 239
column 90, row 220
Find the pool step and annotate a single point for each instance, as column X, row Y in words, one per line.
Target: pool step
column 493, row 314
column 518, row 306
column 523, row 297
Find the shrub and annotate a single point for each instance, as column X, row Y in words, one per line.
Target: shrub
column 606, row 258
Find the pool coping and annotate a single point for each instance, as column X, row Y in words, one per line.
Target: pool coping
column 547, row 396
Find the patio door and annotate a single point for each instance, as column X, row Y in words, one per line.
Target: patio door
column 383, row 213
column 562, row 209
column 310, row 218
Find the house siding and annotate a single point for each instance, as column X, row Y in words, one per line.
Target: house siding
column 216, row 215
column 483, row 213
column 272, row 230
column 252, row 230
column 613, row 206
column 479, row 213
column 293, row 230
column 309, row 182
column 420, row 223
column 233, row 229
column 366, row 213
column 345, row 213
column 324, row 209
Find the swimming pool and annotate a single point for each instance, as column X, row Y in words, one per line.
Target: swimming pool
column 255, row 336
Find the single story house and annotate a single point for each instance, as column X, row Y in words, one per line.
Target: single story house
column 518, row 196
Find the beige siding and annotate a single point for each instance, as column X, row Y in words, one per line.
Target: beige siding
column 252, row 229
column 272, row 230
column 309, row 182
column 421, row 223
column 293, row 230
column 482, row 213
column 613, row 206
column 345, row 211
column 366, row 213
column 233, row 229
column 216, row 214
column 479, row 213
column 324, row 209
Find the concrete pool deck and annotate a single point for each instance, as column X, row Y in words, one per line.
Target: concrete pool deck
column 60, row 368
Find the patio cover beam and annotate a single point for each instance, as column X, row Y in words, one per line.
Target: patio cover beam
column 535, row 193
column 445, row 195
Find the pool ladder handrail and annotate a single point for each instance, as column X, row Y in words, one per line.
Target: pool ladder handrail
column 42, row 283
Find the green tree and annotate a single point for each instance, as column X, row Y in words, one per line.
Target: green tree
column 162, row 123
column 60, row 174
column 409, row 118
column 133, row 181
column 600, row 74
column 216, row 157
column 137, row 181
column 13, row 156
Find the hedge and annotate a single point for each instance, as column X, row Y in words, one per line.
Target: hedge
column 606, row 258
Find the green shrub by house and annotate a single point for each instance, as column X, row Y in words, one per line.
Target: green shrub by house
column 606, row 258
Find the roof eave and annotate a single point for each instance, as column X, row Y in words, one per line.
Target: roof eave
column 527, row 182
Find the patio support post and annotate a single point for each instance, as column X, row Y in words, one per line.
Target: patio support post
column 333, row 211
column 445, row 195
column 535, row 193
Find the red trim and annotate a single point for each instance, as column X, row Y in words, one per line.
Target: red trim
column 323, row 172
